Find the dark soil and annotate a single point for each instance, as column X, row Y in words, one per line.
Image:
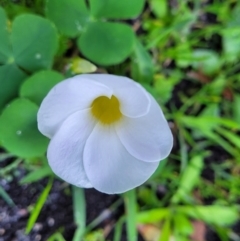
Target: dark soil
column 57, row 212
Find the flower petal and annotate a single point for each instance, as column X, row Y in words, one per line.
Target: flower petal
column 65, row 151
column 148, row 138
column 108, row 165
column 133, row 97
column 65, row 98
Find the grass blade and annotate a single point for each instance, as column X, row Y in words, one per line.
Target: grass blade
column 40, row 202
column 56, row 237
column 6, row 197
column 36, row 175
column 118, row 229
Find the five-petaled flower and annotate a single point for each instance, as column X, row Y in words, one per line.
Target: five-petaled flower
column 106, row 132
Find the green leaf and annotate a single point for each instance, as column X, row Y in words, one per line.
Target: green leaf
column 216, row 215
column 182, row 54
column 183, row 23
column 153, row 215
column 142, row 64
column 106, row 43
column 123, row 9
column 166, row 231
column 14, row 10
column 208, row 125
column 182, row 224
column 233, row 18
column 37, row 209
column 36, row 87
column 230, row 136
column 56, row 237
column 34, row 41
column 211, row 110
column 206, row 60
column 205, row 121
column 18, row 129
column 147, row 196
column 159, row 7
column 95, row 235
column 37, row 175
column 231, row 47
column 217, row 86
column 189, row 179
column 11, row 78
column 69, row 16
column 163, row 86
column 5, row 49
column 236, row 109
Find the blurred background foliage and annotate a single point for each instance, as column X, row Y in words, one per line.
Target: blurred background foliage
column 185, row 53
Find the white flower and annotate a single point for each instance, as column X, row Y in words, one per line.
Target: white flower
column 106, row 132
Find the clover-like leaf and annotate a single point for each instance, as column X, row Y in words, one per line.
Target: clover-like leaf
column 106, row 43
column 11, row 78
column 34, row 42
column 142, row 64
column 123, row 9
column 69, row 16
column 18, row 129
column 36, row 87
column 4, row 36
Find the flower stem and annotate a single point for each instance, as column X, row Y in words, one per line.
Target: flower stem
column 130, row 206
column 79, row 207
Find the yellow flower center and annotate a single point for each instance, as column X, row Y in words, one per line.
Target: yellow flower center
column 106, row 110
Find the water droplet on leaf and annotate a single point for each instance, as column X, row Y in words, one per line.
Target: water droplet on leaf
column 19, row 132
column 38, row 56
